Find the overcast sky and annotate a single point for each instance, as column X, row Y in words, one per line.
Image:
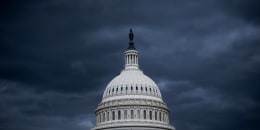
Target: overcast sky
column 57, row 56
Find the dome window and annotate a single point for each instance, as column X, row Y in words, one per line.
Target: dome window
column 125, row 114
column 107, row 116
column 103, row 118
column 155, row 115
column 119, row 115
column 144, row 114
column 138, row 114
column 150, row 115
column 113, row 115
column 132, row 114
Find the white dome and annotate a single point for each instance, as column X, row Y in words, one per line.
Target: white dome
column 132, row 83
column 132, row 100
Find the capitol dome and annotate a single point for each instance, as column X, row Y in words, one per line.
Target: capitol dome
column 132, row 100
column 132, row 84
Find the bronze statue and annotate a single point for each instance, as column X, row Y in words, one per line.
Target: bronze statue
column 131, row 35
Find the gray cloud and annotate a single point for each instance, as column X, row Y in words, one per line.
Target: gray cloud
column 56, row 58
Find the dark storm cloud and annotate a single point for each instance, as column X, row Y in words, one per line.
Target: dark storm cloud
column 226, row 90
column 248, row 10
column 25, row 109
column 57, row 56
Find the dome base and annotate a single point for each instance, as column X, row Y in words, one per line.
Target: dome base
column 134, row 126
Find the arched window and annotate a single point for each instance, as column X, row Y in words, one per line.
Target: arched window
column 155, row 115
column 125, row 114
column 141, row 88
column 145, row 88
column 132, row 114
column 119, row 115
column 138, row 114
column 104, row 117
column 136, row 88
column 113, row 115
column 144, row 114
column 113, row 90
column 126, row 88
column 107, row 116
column 121, row 88
column 116, row 89
column 131, row 88
column 150, row 115
column 150, row 89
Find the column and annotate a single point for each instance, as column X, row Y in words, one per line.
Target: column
column 132, row 59
column 127, row 59
column 135, row 59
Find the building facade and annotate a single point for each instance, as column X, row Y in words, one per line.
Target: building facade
column 132, row 100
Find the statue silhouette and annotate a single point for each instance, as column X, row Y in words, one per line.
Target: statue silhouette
column 131, row 35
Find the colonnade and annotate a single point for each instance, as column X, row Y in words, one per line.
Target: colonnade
column 132, row 114
column 131, row 59
column 137, row 89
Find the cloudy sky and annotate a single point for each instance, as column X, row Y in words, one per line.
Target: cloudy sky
column 57, row 56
